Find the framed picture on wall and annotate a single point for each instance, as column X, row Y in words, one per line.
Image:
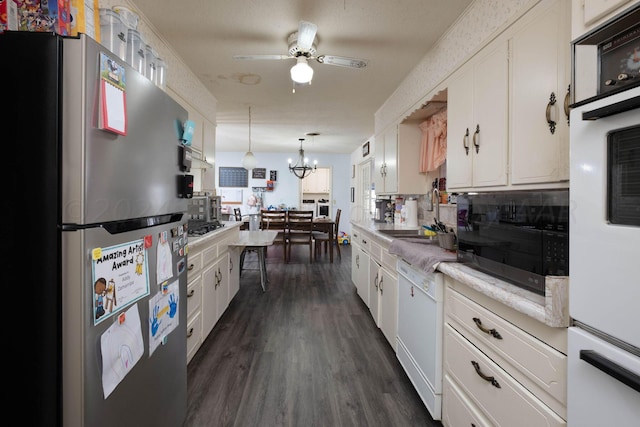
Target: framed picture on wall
column 365, row 149
column 273, row 175
column 259, row 173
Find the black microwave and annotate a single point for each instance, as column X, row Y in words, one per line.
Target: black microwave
column 517, row 236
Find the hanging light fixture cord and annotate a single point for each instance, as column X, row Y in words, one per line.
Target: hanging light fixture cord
column 249, row 161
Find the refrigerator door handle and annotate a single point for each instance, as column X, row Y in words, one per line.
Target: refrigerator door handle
column 611, row 368
column 115, row 227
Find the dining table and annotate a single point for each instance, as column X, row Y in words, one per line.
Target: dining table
column 257, row 240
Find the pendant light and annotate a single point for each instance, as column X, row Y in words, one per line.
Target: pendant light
column 249, row 161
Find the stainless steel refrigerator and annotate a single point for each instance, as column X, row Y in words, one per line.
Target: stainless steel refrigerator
column 95, row 231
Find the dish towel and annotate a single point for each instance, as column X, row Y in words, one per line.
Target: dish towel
column 422, row 255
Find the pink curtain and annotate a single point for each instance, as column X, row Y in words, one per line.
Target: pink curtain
column 433, row 150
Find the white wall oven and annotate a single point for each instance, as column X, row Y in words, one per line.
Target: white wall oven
column 604, row 233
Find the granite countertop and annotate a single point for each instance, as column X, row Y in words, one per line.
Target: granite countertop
column 552, row 309
column 195, row 241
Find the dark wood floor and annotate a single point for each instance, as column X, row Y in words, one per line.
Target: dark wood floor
column 304, row 353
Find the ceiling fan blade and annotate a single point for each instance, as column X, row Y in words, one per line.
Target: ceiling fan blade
column 342, row 61
column 262, row 57
column 306, row 35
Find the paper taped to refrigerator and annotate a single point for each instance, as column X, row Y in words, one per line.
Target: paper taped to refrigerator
column 120, row 277
column 163, row 314
column 121, row 347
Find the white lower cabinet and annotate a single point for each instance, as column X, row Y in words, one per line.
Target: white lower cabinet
column 360, row 264
column 383, row 300
column 374, row 290
column 457, row 409
column 388, row 305
column 501, row 368
column 194, row 335
column 211, row 284
column 213, row 288
column 374, row 274
column 194, row 306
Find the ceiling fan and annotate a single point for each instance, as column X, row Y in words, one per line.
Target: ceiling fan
column 302, row 47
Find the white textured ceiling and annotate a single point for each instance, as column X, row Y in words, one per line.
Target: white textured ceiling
column 393, row 35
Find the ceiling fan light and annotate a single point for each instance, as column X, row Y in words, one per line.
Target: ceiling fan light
column 301, row 72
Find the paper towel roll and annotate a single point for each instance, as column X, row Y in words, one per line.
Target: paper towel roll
column 411, row 213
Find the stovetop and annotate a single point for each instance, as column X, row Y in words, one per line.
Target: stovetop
column 201, row 227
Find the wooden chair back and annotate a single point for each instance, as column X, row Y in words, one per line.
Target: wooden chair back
column 300, row 231
column 273, row 220
column 276, row 221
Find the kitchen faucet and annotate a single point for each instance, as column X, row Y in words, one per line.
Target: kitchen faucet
column 435, row 197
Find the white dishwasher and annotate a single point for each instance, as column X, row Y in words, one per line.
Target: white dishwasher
column 420, row 323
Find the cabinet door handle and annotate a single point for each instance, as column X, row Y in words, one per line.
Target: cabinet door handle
column 491, row 332
column 476, row 137
column 375, row 282
column 190, row 333
column 492, row 380
column 191, row 267
column 465, row 142
column 567, row 110
column 191, row 292
column 380, row 284
column 551, row 123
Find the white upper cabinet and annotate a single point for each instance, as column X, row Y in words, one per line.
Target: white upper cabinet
column 539, row 96
column 318, row 181
column 397, row 161
column 588, row 14
column 386, row 173
column 508, row 107
column 477, row 121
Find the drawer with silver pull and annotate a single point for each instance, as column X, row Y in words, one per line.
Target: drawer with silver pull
column 194, row 264
column 497, row 394
column 536, row 365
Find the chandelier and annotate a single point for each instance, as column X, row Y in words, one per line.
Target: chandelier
column 302, row 168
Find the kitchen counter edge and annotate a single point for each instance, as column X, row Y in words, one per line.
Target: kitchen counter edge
column 195, row 241
column 552, row 309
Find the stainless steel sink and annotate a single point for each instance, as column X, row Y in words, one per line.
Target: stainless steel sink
column 407, row 234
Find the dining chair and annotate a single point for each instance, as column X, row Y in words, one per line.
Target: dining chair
column 237, row 214
column 300, row 231
column 323, row 238
column 276, row 221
